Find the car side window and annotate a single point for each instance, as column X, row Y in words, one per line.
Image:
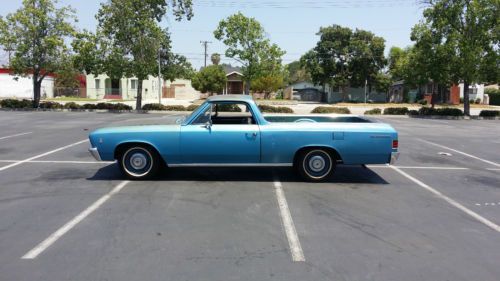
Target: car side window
column 204, row 117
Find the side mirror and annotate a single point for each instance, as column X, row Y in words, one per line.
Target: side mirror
column 208, row 125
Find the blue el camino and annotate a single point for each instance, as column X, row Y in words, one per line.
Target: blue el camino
column 230, row 131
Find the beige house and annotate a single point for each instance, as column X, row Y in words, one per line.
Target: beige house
column 103, row 87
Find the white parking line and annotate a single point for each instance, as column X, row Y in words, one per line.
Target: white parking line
column 17, row 135
column 493, row 169
column 286, row 218
column 452, row 202
column 419, row 167
column 58, row 162
column 461, row 152
column 41, row 155
column 33, row 253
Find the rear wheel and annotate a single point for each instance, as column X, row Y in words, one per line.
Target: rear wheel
column 315, row 165
column 139, row 162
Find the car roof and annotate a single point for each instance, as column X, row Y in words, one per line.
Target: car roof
column 245, row 98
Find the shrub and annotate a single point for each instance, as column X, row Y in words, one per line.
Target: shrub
column 422, row 102
column 478, row 101
column 446, row 111
column 192, row 107
column 14, row 103
column 51, row 105
column 330, row 109
column 72, row 105
column 89, row 106
column 375, row 111
column 228, row 108
column 113, row 106
column 396, row 111
column 489, row 113
column 153, row 106
column 274, row 109
column 413, row 112
column 494, row 96
column 175, row 108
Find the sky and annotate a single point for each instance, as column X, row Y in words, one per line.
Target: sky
column 291, row 24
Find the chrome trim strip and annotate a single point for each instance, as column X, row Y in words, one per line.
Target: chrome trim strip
column 394, row 157
column 94, row 152
column 232, row 165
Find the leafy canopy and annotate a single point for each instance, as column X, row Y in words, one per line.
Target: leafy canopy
column 246, row 42
column 36, row 33
column 211, row 79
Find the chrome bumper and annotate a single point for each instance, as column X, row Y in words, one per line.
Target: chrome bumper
column 394, row 157
column 95, row 153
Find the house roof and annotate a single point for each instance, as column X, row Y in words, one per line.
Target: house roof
column 229, row 69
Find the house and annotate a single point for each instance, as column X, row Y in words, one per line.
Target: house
column 103, row 87
column 442, row 94
column 235, row 84
column 13, row 86
column 307, row 91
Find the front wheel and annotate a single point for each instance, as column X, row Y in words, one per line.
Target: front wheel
column 315, row 165
column 139, row 162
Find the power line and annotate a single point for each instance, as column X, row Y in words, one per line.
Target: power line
column 205, row 45
column 305, row 4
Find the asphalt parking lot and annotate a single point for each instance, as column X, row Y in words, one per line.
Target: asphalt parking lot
column 434, row 216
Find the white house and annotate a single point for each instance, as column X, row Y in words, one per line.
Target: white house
column 12, row 86
column 102, row 87
column 476, row 91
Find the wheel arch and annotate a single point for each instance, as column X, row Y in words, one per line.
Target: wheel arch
column 333, row 152
column 122, row 147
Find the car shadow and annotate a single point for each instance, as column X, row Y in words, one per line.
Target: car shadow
column 343, row 174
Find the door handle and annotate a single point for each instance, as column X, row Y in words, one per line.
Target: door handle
column 254, row 134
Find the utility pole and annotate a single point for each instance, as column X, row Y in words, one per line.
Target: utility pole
column 159, row 76
column 205, row 45
column 366, row 88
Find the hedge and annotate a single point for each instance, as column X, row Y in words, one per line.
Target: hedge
column 192, row 107
column 13, row 103
column 331, row 109
column 375, row 111
column 489, row 113
column 396, row 111
column 446, row 111
column 274, row 109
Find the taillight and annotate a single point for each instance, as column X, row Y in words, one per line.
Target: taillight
column 395, row 144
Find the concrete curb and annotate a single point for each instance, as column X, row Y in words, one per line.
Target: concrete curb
column 94, row 110
column 437, row 117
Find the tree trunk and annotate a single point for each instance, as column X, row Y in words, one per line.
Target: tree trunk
column 466, row 99
column 247, row 87
column 36, row 91
column 138, row 102
column 433, row 95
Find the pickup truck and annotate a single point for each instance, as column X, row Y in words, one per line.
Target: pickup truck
column 230, row 131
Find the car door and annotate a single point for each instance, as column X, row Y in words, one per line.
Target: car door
column 203, row 142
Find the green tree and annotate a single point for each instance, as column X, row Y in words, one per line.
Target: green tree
column 37, row 33
column 215, row 58
column 66, row 82
column 296, row 72
column 175, row 66
column 268, row 84
column 211, row 79
column 246, row 43
column 128, row 40
column 466, row 34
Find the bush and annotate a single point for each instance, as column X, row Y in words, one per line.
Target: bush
column 274, row 109
column 175, row 108
column 14, row 103
column 478, row 101
column 330, row 109
column 422, row 102
column 226, row 107
column 446, row 111
column 192, row 107
column 153, row 106
column 396, row 111
column 413, row 112
column 89, row 106
column 375, row 111
column 72, row 105
column 51, row 105
column 494, row 96
column 489, row 113
column 113, row 106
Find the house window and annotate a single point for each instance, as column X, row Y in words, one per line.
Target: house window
column 133, row 84
column 472, row 91
column 98, row 83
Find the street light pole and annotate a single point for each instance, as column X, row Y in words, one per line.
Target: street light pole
column 159, row 76
column 366, row 84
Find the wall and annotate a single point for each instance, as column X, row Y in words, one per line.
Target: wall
column 22, row 87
